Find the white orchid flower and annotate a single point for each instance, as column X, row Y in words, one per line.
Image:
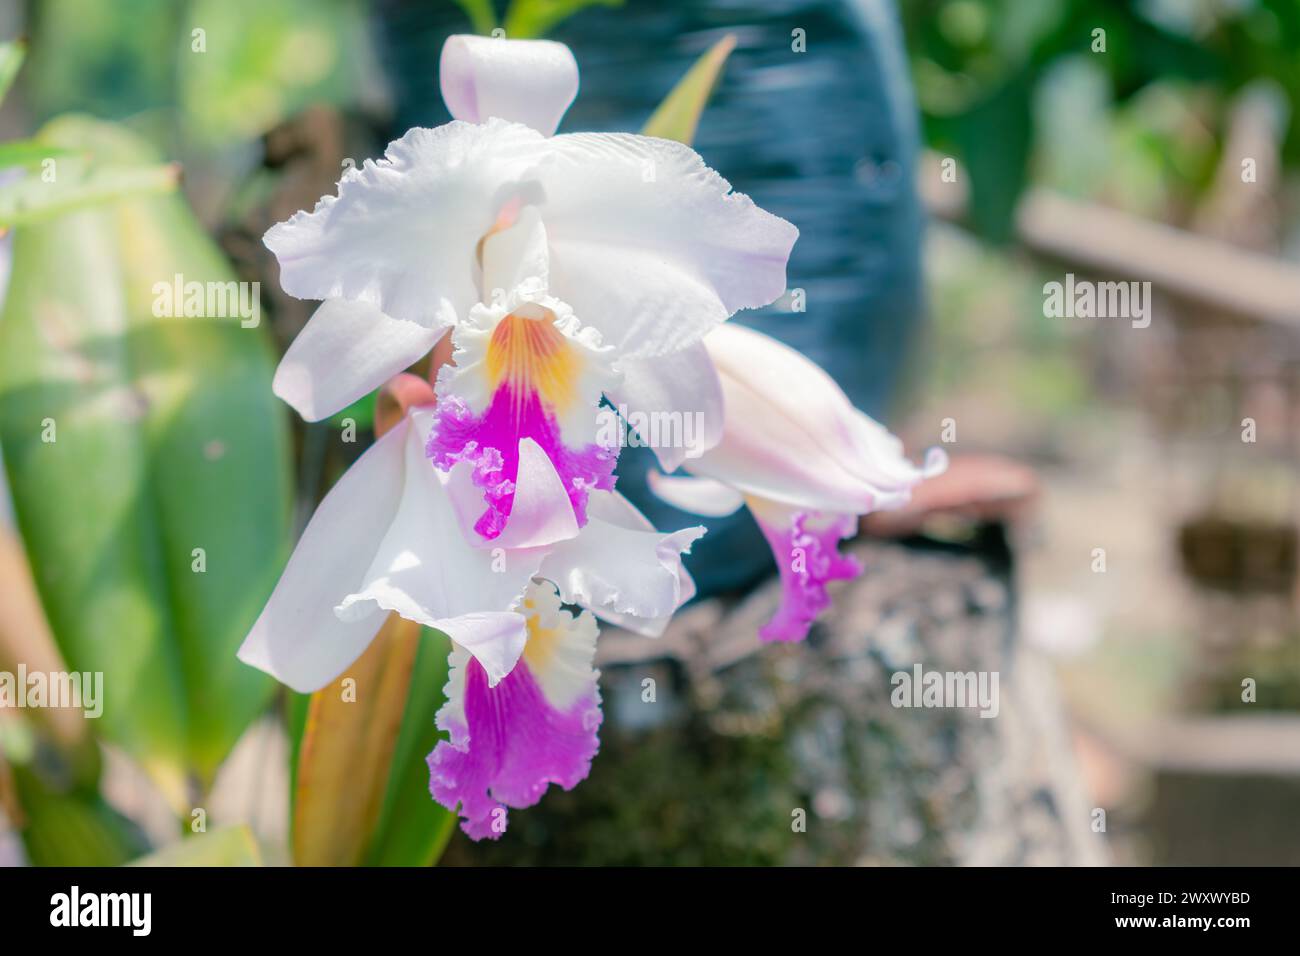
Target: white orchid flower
column 566, row 267
column 388, row 538
column 805, row 461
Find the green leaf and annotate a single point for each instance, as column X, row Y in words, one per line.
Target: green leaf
column 678, row 116
column 29, row 153
column 535, row 18
column 131, row 440
column 11, row 61
column 233, row 846
column 359, row 779
column 413, row 830
column 346, row 753
column 79, row 183
column 361, row 412
column 75, row 827
column 480, row 13
column 262, row 63
column 995, row 138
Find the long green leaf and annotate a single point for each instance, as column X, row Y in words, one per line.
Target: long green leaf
column 413, row 830
column 346, row 753
column 678, row 116
column 75, row 184
column 28, row 153
column 157, row 516
column 481, row 15
column 12, row 54
column 72, row 827
column 535, row 18
column 361, row 786
column 410, row 830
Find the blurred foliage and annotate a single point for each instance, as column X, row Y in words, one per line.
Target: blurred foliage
column 535, row 18
column 76, row 182
column 233, row 846
column 77, row 828
column 50, row 791
column 266, row 61
column 11, row 60
column 27, row 198
column 524, row 18
column 229, row 71
column 980, row 67
column 165, row 438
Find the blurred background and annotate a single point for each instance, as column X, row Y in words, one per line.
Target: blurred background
column 1117, row 535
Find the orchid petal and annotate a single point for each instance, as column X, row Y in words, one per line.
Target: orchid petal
column 525, row 81
column 345, row 351
column 621, row 568
column 297, row 639
column 791, row 434
column 427, row 572
column 537, row 727
column 700, row 496
column 650, row 245
column 403, row 232
column 676, row 399
column 806, row 548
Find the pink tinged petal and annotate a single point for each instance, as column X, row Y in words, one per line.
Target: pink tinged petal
column 791, row 435
column 525, row 81
column 403, row 232
column 673, row 402
column 806, row 548
column 650, row 245
column 701, row 496
column 621, row 568
column 427, row 572
column 537, row 727
column 298, row 639
column 895, row 474
column 345, row 351
column 530, row 510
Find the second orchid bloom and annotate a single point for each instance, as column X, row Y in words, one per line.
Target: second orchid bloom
column 573, row 273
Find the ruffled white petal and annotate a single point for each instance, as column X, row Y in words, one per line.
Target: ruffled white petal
column 675, row 399
column 791, row 434
column 346, row 350
column 525, row 81
column 426, row 571
column 620, row 568
column 701, row 496
column 496, row 640
column 650, row 245
column 403, row 232
column 298, row 639
column 561, row 647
